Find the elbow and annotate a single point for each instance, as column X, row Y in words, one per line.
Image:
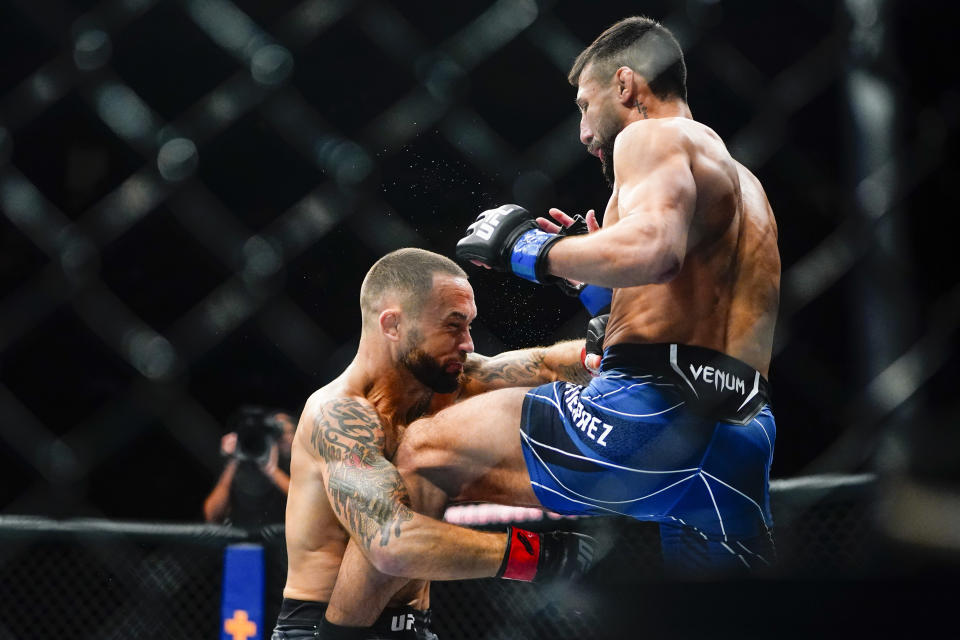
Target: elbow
column 393, row 560
column 648, row 254
column 655, row 267
column 666, row 268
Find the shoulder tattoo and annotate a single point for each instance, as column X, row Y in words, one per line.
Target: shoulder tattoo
column 366, row 490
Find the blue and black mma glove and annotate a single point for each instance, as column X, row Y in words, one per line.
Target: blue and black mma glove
column 508, row 239
column 594, row 298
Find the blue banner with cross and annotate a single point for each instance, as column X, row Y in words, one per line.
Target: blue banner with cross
column 241, row 616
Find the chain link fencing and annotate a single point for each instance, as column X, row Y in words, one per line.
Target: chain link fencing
column 192, row 190
column 119, row 580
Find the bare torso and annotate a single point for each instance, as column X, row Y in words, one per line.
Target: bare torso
column 316, row 541
column 365, row 412
column 726, row 295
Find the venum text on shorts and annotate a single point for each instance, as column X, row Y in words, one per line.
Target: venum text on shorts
column 719, row 379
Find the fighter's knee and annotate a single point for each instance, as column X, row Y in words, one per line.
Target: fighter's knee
column 391, row 560
column 427, row 468
column 415, row 450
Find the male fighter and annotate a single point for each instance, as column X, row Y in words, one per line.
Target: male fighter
column 415, row 357
column 677, row 429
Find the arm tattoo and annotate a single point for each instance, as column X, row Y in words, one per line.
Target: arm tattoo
column 365, row 490
column 512, row 369
column 528, row 368
column 574, row 373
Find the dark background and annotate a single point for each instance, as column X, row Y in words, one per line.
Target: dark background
column 191, row 193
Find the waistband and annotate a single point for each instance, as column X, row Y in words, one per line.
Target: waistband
column 305, row 612
column 310, row 613
column 714, row 384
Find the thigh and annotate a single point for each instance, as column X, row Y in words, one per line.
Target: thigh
column 470, row 451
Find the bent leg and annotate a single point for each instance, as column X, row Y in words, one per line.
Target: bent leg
column 361, row 592
column 470, row 451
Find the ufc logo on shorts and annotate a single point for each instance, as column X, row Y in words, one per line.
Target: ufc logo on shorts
column 401, row 622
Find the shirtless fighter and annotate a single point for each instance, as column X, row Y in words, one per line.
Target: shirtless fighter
column 415, row 357
column 677, row 429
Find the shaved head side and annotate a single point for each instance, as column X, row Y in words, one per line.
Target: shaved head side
column 642, row 44
column 407, row 275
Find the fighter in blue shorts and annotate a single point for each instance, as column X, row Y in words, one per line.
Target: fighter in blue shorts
column 668, row 433
column 677, row 428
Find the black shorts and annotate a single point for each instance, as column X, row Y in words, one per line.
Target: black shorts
column 300, row 619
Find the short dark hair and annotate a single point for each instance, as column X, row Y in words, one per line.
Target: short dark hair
column 642, row 44
column 408, row 272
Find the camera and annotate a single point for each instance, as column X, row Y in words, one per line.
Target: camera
column 257, row 431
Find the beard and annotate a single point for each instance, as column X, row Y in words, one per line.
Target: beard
column 429, row 372
column 606, row 162
column 606, row 138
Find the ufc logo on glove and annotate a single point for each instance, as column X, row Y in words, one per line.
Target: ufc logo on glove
column 487, row 226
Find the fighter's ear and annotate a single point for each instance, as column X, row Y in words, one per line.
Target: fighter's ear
column 627, row 85
column 390, row 323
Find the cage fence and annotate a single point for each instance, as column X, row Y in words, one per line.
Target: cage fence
column 90, row 578
column 191, row 192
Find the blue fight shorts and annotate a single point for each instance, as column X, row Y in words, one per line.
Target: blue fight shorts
column 667, row 433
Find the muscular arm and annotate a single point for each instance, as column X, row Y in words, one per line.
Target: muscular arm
column 370, row 500
column 361, row 592
column 525, row 368
column 656, row 196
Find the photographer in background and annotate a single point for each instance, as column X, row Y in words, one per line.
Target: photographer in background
column 252, row 489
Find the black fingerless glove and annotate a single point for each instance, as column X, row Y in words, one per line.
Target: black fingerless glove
column 596, row 332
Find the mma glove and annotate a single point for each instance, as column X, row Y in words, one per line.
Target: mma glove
column 593, row 349
column 542, row 557
column 595, row 299
column 509, row 239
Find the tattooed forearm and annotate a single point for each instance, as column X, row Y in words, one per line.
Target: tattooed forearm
column 530, row 367
column 366, row 490
column 574, row 373
column 513, row 369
